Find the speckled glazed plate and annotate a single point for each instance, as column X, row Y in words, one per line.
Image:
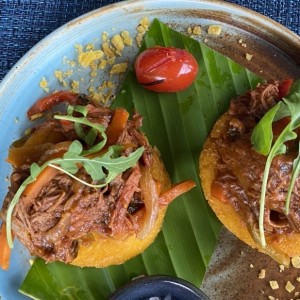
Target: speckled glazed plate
column 275, row 52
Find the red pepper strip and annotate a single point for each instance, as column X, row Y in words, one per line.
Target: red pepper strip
column 284, row 87
column 49, row 101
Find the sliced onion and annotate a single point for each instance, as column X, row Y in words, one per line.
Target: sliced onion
column 150, row 197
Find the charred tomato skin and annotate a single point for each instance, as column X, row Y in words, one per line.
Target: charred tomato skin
column 165, row 69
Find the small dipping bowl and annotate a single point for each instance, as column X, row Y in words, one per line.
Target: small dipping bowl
column 158, row 287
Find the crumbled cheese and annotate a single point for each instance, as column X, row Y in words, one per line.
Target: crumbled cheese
column 102, row 64
column 274, row 284
column 139, row 39
column 240, row 41
column 85, row 59
column 107, row 49
column 271, row 298
column 44, row 85
column 289, row 287
column 145, row 22
column 104, row 36
column 60, row 76
column 68, row 73
column 251, row 266
column 90, row 47
column 296, row 262
column 298, row 279
column 105, row 58
column 111, row 61
column 75, row 86
column 244, row 45
column 249, row 56
column 189, row 30
column 262, row 274
column 126, row 38
column 142, row 29
column 205, row 41
column 119, row 68
column 118, row 43
column 94, row 69
column 214, row 30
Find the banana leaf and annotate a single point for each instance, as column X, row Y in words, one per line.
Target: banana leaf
column 178, row 124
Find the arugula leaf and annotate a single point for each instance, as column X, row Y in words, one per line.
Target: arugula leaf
column 89, row 137
column 262, row 140
column 110, row 161
column 262, row 135
column 295, row 173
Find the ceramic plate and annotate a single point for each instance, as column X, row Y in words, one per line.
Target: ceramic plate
column 274, row 48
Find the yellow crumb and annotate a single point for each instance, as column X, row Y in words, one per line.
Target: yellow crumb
column 142, row 29
column 145, row 22
column 59, row 75
column 44, row 85
column 214, row 30
column 274, row 284
column 107, row 50
column 94, row 68
column 197, row 30
column 111, row 61
column 90, row 47
column 296, row 262
column 262, row 274
column 119, row 68
column 118, row 43
column 86, row 58
column 249, row 56
column 281, row 268
column 68, row 73
column 102, row 64
column 75, row 86
column 126, row 38
column 139, row 39
column 104, row 36
column 289, row 287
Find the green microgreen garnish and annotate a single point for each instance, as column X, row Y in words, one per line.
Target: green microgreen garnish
column 262, row 140
column 102, row 168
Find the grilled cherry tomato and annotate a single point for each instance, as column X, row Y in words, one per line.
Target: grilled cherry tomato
column 165, row 69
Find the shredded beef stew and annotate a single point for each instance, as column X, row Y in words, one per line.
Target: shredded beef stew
column 53, row 221
column 241, row 169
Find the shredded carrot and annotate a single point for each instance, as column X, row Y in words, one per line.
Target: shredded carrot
column 167, row 197
column 34, row 188
column 116, row 126
column 5, row 251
